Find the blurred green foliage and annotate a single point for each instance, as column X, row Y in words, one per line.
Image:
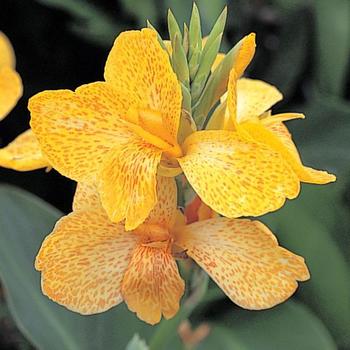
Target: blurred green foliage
column 304, row 49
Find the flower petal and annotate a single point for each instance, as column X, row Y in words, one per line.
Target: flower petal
column 237, row 177
column 7, row 55
column 11, row 90
column 127, row 183
column 77, row 129
column 254, row 97
column 23, row 153
column 244, row 259
column 86, row 196
column 277, row 136
column 245, row 53
column 152, row 286
column 138, row 64
column 164, row 212
column 84, row 260
column 218, row 59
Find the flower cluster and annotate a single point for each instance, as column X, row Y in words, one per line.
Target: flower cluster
column 166, row 110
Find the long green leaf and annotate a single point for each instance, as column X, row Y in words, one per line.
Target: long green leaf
column 173, row 27
column 323, row 137
column 218, row 29
column 179, row 61
column 333, row 37
column 300, row 227
column 216, row 86
column 206, row 62
column 195, row 38
column 90, row 21
column 289, row 326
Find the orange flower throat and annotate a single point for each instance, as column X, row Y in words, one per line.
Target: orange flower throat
column 148, row 124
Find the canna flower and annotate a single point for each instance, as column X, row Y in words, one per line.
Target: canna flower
column 90, row 264
column 10, row 82
column 248, row 112
column 123, row 131
column 23, row 153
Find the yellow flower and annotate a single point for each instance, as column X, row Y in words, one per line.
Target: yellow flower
column 248, row 105
column 90, row 264
column 23, row 153
column 10, row 82
column 120, row 131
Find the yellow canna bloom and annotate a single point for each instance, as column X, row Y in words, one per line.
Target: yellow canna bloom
column 248, row 105
column 124, row 130
column 10, row 82
column 23, row 153
column 90, row 264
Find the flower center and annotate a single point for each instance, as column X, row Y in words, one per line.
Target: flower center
column 152, row 233
column 149, row 125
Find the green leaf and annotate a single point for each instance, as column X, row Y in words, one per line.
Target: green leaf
column 217, row 30
column 193, row 63
column 187, row 124
column 216, row 86
column 333, row 38
column 210, row 10
column 185, row 42
column 179, row 61
column 195, row 37
column 180, row 8
column 144, row 10
column 206, row 62
column 25, row 221
column 222, row 337
column 90, row 22
column 301, row 227
column 173, row 27
column 323, row 137
column 289, row 326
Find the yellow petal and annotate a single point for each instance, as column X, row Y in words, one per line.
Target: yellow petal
column 77, row 129
column 23, row 153
column 219, row 57
column 127, row 183
column 277, row 136
column 164, row 212
column 138, row 64
column 168, row 47
column 237, row 177
column 243, row 257
column 7, row 55
column 11, row 90
column 254, row 97
column 152, row 286
column 245, row 50
column 83, row 261
column 86, row 196
column 231, row 112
